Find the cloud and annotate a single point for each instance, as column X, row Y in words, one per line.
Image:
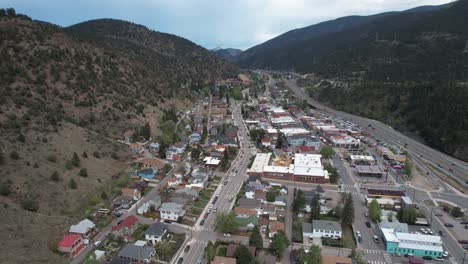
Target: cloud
column 212, row 23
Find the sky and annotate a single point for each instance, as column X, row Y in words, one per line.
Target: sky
column 211, row 23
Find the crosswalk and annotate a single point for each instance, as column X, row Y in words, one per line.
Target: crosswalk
column 376, row 262
column 453, row 260
column 387, row 258
column 373, row 251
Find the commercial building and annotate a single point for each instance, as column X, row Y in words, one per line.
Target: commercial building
column 414, row 244
column 261, row 160
column 345, row 142
column 360, row 160
column 369, row 171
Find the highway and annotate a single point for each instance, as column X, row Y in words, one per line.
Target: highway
column 459, row 169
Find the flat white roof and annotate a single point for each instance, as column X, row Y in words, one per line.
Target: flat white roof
column 361, row 157
column 272, row 131
column 211, row 161
column 345, row 140
column 282, row 119
column 309, row 171
column 327, row 127
column 308, row 160
column 276, row 109
column 389, row 235
column 294, row 131
column 408, row 237
column 279, row 169
column 261, row 160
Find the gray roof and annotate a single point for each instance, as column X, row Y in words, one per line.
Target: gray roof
column 249, row 203
column 136, row 252
column 326, row 225
column 395, row 224
column 117, row 260
column 156, row 229
column 82, row 227
column 172, row 207
column 306, row 228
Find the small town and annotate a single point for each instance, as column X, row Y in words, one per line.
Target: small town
column 255, row 175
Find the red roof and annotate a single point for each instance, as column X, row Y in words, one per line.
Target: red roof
column 305, row 148
column 265, row 140
column 128, row 222
column 68, row 240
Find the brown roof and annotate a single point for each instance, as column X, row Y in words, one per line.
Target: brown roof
column 129, row 192
column 263, row 221
column 153, row 163
column 326, row 259
column 223, row 260
column 275, row 226
column 378, row 192
column 244, row 211
column 232, row 248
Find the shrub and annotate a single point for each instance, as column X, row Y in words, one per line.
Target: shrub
column 96, row 154
column 52, row 158
column 85, row 155
column 14, row 155
column 5, row 189
column 104, row 195
column 72, row 184
column 30, row 204
column 55, row 176
column 115, row 156
column 69, row 165
column 83, row 172
column 75, row 160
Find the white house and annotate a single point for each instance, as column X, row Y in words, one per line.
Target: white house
column 156, row 233
column 83, row 228
column 171, row 211
column 144, row 208
column 322, row 228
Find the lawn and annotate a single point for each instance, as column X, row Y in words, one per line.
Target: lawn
column 329, row 218
column 196, row 211
column 200, row 203
column 139, row 232
column 222, row 250
column 217, row 178
column 147, row 190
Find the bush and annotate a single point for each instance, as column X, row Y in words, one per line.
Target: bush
column 85, row 155
column 14, row 155
column 69, row 165
column 115, row 156
column 104, row 195
column 5, row 189
column 30, row 204
column 2, row 158
column 75, row 160
column 83, row 172
column 96, row 154
column 72, row 184
column 55, row 176
column 52, row 158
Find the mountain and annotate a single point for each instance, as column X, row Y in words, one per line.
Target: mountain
column 66, row 96
column 409, row 70
column 271, row 53
column 228, row 54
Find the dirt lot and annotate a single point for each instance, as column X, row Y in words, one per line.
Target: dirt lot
column 421, row 181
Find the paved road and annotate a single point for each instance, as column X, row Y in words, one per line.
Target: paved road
column 199, row 235
column 388, row 134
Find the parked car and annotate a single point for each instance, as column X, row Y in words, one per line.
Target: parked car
column 441, row 233
column 463, row 241
column 448, row 225
column 445, row 254
column 226, row 234
column 97, row 243
column 427, row 257
column 368, row 224
column 438, row 259
column 438, row 214
column 465, row 246
column 376, row 239
column 180, row 260
column 202, row 222
column 187, row 248
column 118, row 213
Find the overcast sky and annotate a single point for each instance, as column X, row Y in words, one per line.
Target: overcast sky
column 211, row 23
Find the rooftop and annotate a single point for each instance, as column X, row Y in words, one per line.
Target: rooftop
column 361, row 157
column 326, row 225
column 372, row 169
column 223, row 260
column 170, row 207
column 136, row 252
column 308, row 160
column 68, row 240
column 261, row 160
column 379, row 192
column 82, row 227
column 157, row 229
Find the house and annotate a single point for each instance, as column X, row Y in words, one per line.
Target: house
column 131, row 193
column 194, row 137
column 126, row 227
column 266, row 142
column 171, row 211
column 323, row 228
column 260, row 196
column 249, row 204
column 264, row 258
column 244, row 212
column 279, row 200
column 117, row 260
column 71, row 245
column 263, row 222
column 327, row 259
column 415, row 244
column 283, row 191
column 83, row 228
column 174, row 181
column 247, row 223
column 154, row 147
column 231, row 249
column 223, row 260
column 307, row 230
column 203, row 172
column 270, row 211
column 154, row 163
column 274, row 227
column 140, row 185
column 211, row 162
column 173, row 154
column 156, row 232
column 137, row 254
column 145, row 207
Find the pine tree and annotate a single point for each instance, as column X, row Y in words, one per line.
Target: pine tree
column 72, row 184
column 315, row 207
column 255, row 238
column 347, row 215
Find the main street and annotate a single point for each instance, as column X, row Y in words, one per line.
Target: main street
column 199, row 235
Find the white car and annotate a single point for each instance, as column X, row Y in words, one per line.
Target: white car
column 226, row 234
column 445, row 254
column 97, row 243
